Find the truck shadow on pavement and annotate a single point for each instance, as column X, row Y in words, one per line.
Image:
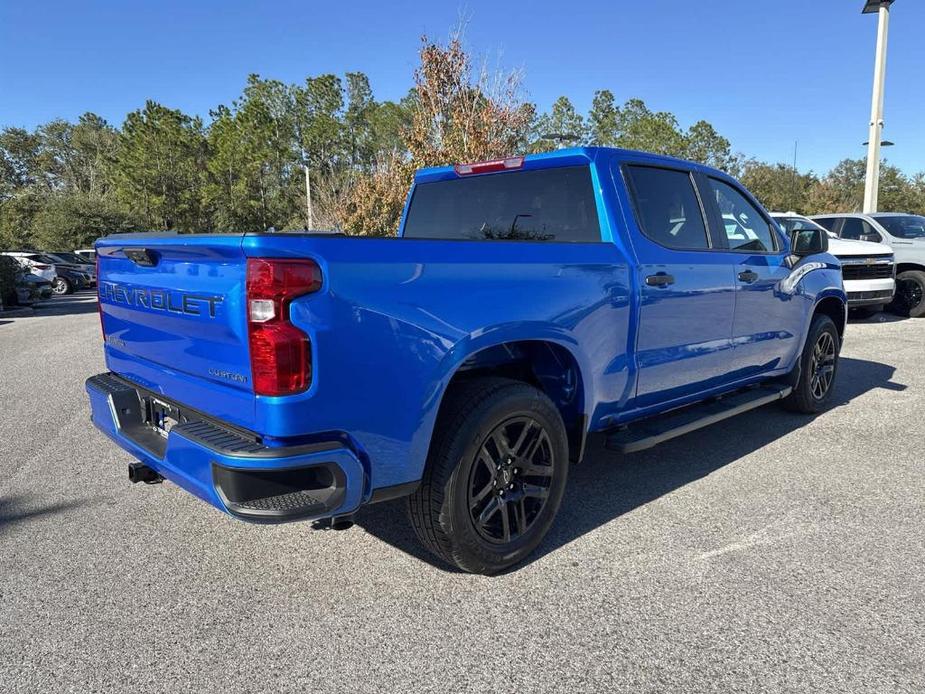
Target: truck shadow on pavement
column 607, row 485
column 21, row 508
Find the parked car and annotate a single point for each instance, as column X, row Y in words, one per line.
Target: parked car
column 868, row 269
column 31, row 289
column 19, row 287
column 35, row 263
column 74, row 262
column 88, row 254
column 70, row 280
column 905, row 234
column 10, row 270
column 528, row 304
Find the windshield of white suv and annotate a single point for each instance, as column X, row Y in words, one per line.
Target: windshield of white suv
column 797, row 224
column 903, row 226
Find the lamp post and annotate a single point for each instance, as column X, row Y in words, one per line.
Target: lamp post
column 872, row 179
column 560, row 138
column 308, row 197
column 308, row 191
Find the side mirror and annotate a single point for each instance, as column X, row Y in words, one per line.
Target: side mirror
column 805, row 242
column 873, row 238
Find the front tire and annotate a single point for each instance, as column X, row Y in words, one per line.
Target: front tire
column 910, row 294
column 818, row 368
column 495, row 475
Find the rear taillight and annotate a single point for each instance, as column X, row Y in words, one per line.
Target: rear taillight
column 280, row 352
column 489, row 166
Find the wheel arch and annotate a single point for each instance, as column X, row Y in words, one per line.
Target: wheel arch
column 906, row 267
column 836, row 308
column 544, row 363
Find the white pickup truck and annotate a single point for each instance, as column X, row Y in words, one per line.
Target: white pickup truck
column 905, row 235
column 868, row 269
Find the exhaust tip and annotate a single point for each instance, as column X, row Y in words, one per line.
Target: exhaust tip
column 335, row 523
column 341, row 522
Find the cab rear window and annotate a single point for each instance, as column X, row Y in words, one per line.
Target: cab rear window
column 542, row 205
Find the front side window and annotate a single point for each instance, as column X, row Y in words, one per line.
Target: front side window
column 904, row 226
column 859, row 230
column 828, row 222
column 667, row 208
column 541, row 205
column 746, row 228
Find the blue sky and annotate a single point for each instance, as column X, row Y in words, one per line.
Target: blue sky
column 764, row 73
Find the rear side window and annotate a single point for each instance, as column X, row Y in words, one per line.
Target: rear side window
column 746, row 228
column 543, row 205
column 667, row 208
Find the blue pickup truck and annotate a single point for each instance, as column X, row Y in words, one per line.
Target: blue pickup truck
column 526, row 305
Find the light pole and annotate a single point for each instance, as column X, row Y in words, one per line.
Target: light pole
column 308, row 191
column 872, row 179
column 308, row 197
column 560, row 137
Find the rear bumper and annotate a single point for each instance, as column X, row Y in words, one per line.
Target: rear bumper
column 229, row 468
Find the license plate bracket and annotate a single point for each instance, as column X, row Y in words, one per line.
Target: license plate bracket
column 159, row 415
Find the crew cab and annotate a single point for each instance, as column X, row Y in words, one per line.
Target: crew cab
column 868, row 268
column 525, row 305
column 905, row 235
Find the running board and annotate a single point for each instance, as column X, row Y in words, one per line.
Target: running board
column 655, row 430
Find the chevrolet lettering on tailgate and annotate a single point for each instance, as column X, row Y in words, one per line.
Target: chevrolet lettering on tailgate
column 160, row 299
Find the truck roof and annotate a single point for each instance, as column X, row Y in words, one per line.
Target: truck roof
column 568, row 157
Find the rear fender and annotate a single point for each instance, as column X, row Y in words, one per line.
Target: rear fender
column 495, row 337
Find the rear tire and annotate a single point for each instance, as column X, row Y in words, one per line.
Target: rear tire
column 495, row 475
column 818, row 368
column 910, row 294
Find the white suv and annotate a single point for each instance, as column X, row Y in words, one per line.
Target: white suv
column 905, row 234
column 35, row 263
column 867, row 268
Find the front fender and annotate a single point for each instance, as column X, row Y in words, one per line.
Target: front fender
column 823, row 280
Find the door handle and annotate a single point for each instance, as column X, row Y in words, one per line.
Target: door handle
column 661, row 279
column 748, row 276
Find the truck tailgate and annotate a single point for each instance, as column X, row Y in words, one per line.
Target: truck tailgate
column 173, row 317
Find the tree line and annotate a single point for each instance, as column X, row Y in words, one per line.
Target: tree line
column 64, row 184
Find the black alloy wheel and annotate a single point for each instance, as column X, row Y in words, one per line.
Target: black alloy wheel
column 822, row 365
column 815, row 373
column 510, row 481
column 495, row 475
column 910, row 294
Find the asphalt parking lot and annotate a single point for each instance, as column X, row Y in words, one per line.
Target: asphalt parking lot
column 773, row 552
